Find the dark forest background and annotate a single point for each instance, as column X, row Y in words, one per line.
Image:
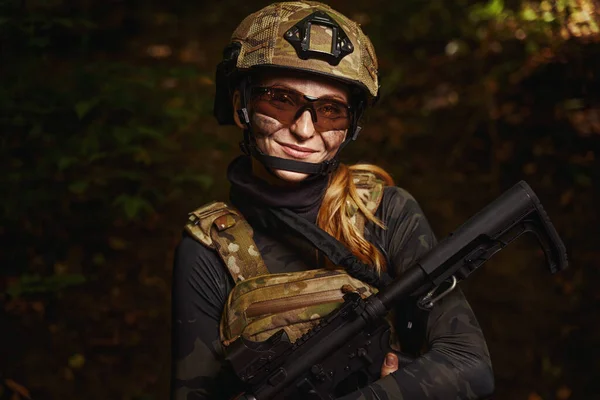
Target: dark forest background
column 108, row 141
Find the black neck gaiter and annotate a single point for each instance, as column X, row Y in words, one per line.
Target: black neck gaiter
column 251, row 195
column 249, row 192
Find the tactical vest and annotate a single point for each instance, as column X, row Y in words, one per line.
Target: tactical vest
column 262, row 303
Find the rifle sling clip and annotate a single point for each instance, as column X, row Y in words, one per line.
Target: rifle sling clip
column 426, row 302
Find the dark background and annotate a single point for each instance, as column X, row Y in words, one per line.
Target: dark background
column 108, row 141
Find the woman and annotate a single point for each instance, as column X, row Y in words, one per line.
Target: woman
column 296, row 79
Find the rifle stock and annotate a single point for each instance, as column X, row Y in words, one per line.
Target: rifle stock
column 347, row 348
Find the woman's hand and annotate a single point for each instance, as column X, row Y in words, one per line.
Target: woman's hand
column 390, row 364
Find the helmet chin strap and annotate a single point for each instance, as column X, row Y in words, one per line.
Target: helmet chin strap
column 249, row 147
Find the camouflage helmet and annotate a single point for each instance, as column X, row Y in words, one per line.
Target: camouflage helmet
column 265, row 40
column 298, row 35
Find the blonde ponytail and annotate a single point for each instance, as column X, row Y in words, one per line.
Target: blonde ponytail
column 336, row 209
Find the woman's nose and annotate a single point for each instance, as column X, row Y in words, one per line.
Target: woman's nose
column 303, row 127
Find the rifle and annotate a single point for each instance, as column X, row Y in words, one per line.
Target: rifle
column 348, row 346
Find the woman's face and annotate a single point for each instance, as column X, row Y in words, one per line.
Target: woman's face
column 297, row 139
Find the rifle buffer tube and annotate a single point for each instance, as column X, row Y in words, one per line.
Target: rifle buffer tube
column 516, row 211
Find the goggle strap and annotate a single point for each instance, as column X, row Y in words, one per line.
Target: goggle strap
column 244, row 116
column 356, row 132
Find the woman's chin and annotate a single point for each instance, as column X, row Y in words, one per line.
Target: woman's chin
column 290, row 176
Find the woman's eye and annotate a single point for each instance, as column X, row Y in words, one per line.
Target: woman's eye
column 331, row 111
column 281, row 98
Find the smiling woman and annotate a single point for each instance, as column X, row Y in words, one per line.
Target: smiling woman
column 296, row 79
column 293, row 117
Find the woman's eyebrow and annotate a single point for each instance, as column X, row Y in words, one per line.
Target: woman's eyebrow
column 327, row 96
column 333, row 97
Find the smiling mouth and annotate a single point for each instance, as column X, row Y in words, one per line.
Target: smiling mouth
column 296, row 151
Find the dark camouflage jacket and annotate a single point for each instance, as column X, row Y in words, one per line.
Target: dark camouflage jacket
column 455, row 366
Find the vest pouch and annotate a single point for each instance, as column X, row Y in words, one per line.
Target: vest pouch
column 296, row 302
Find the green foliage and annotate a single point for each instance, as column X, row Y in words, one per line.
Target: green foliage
column 99, row 147
column 36, row 284
column 483, row 12
column 95, row 132
column 133, row 206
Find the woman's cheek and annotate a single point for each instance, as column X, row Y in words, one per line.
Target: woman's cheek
column 333, row 139
column 263, row 125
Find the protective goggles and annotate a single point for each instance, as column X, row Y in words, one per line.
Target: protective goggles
column 287, row 105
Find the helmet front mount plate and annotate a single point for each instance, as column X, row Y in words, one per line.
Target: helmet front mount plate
column 299, row 36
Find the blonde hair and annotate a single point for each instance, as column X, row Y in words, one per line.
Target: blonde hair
column 335, row 213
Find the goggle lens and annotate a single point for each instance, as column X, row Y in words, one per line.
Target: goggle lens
column 286, row 106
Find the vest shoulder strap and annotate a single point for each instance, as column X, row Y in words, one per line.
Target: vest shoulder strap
column 370, row 191
column 221, row 227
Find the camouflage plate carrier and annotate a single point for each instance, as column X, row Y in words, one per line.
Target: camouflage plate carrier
column 262, row 303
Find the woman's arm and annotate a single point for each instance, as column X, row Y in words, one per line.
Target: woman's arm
column 457, row 364
column 200, row 289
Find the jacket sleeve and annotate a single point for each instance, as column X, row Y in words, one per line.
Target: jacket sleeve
column 199, row 291
column 456, row 364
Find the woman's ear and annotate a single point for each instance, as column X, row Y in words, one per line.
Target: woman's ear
column 237, row 105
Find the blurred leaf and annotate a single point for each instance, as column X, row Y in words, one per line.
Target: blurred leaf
column 132, row 175
column 492, row 9
column 150, row 132
column 548, row 16
column 65, row 162
column 134, row 206
column 83, row 107
column 99, row 259
column 36, row 130
column 32, row 284
column 574, row 104
column 549, row 368
column 98, row 156
column 205, row 181
column 532, row 47
column 17, row 388
column 78, row 187
column 143, row 156
column 583, row 180
column 68, row 374
column 76, row 361
column 61, row 268
column 65, row 22
column 116, row 243
column 566, row 198
column 528, row 13
column 563, row 393
column 39, row 42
